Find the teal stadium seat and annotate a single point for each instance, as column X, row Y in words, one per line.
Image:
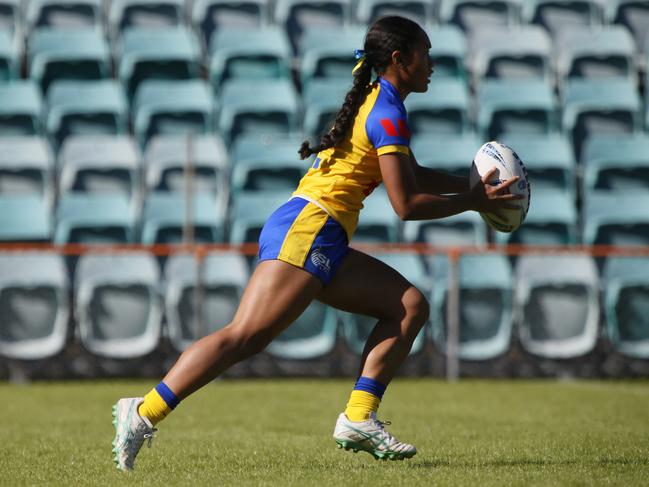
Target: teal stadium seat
column 27, row 167
column 616, row 217
column 448, row 50
column 463, row 229
column 515, row 53
column 328, row 55
column 100, row 164
column 557, row 304
column 64, row 14
column 605, row 52
column 600, row 106
column 164, row 53
column 626, row 295
column 367, row 11
column 486, row 285
column 443, row 110
column 241, row 54
column 298, row 17
column 210, row 16
column 322, row 99
column 10, row 17
column 56, row 54
column 562, row 15
column 452, row 154
column 89, row 218
column 250, row 106
column 267, row 164
column 378, row 222
column 224, row 276
column 551, row 220
column 85, row 108
column 25, row 218
column 164, row 216
column 146, row 14
column 166, row 159
column 10, row 60
column 356, row 328
column 179, row 107
column 250, row 210
column 616, row 162
column 633, row 14
column 117, row 304
column 516, row 106
column 549, row 160
column 21, row 105
column 480, row 14
column 34, row 305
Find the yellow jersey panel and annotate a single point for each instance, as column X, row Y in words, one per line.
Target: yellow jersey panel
column 343, row 176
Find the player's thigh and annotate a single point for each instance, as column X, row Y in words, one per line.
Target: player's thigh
column 366, row 285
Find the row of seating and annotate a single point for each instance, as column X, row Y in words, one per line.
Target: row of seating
column 120, row 301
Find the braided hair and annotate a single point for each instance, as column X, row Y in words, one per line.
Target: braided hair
column 386, row 35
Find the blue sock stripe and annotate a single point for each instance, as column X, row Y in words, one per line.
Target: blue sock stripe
column 370, row 385
column 167, row 395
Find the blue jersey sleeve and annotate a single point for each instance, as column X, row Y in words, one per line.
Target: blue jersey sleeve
column 387, row 127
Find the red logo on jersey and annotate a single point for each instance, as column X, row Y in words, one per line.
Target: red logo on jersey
column 392, row 131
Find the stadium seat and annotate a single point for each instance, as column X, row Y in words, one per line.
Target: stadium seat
column 210, row 16
column 34, row 305
column 250, row 106
column 144, row 14
column 480, row 14
column 616, row 162
column 20, row 108
column 616, row 217
column 250, row 210
column 367, row 11
column 117, row 304
column 166, row 53
column 551, row 220
column 626, row 293
column 462, row 229
column 549, row 160
column 10, row 17
column 515, row 106
column 448, row 50
column 562, row 15
column 486, row 286
column 600, row 106
column 444, row 109
column 329, row 55
column 162, row 107
column 356, row 328
column 298, row 17
column 166, row 159
column 267, row 164
column 322, row 99
column 633, row 14
column 85, row 108
column 10, row 59
column 452, row 154
column 242, row 54
column 27, row 167
column 100, row 164
column 64, row 14
column 24, row 217
column 90, row 218
column 596, row 53
column 515, row 53
column 378, row 222
column 164, row 216
column 56, row 54
column 556, row 302
column 224, row 276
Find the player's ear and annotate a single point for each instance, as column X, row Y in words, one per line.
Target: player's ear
column 398, row 59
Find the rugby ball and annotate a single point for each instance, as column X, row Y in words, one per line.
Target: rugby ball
column 508, row 164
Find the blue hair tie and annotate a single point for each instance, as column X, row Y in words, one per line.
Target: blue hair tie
column 358, row 53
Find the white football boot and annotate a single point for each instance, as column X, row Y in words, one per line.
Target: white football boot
column 131, row 430
column 370, row 436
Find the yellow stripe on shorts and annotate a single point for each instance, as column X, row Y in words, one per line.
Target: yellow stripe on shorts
column 300, row 236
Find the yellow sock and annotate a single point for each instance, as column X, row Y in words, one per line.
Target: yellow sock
column 154, row 407
column 361, row 404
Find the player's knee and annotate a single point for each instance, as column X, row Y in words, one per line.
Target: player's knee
column 417, row 309
column 249, row 344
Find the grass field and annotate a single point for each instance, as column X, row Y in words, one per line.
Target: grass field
column 279, row 433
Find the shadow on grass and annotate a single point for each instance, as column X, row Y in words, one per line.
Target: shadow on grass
column 517, row 462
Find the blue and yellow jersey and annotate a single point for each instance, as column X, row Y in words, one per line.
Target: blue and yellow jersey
column 343, row 176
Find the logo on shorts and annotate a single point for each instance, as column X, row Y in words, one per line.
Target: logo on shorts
column 321, row 261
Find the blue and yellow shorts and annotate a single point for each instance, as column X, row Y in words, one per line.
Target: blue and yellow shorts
column 303, row 234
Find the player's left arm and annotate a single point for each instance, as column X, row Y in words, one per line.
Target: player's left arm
column 437, row 182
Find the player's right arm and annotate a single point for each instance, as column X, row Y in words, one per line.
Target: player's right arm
column 411, row 203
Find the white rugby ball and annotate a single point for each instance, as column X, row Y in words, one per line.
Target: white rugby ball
column 508, row 164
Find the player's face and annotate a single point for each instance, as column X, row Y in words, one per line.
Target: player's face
column 420, row 68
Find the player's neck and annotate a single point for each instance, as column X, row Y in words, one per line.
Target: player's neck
column 397, row 83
